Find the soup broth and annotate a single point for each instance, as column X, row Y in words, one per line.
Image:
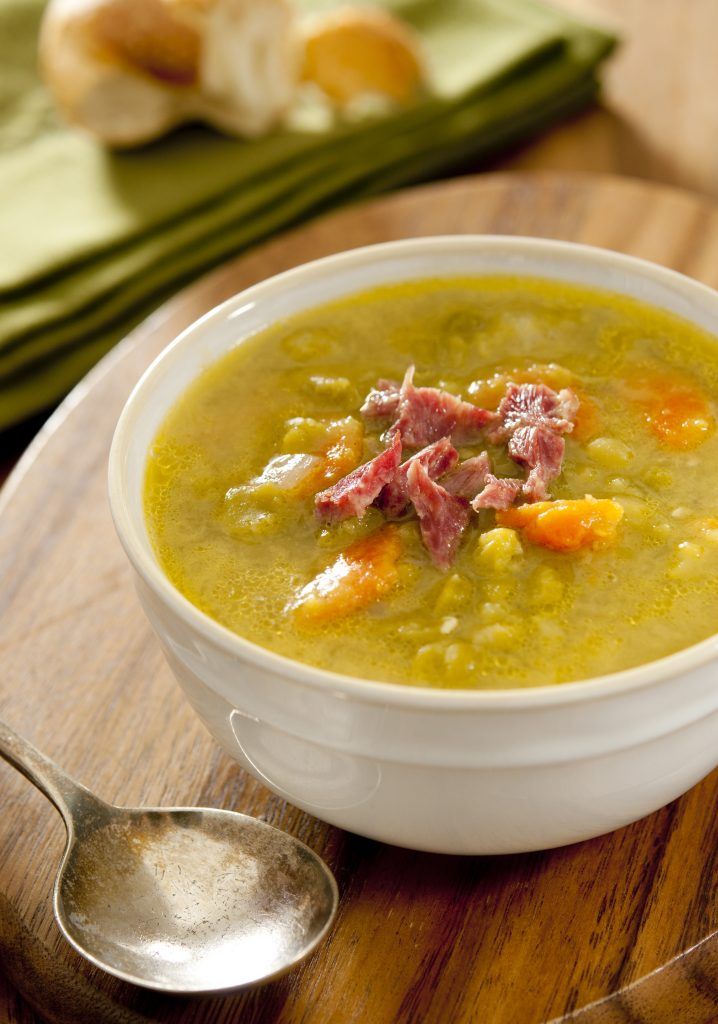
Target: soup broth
column 233, row 472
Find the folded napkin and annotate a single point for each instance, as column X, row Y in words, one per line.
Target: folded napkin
column 93, row 240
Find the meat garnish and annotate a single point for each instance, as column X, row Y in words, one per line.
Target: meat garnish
column 541, row 451
column 436, row 459
column 354, row 493
column 499, row 493
column 442, row 517
column 532, row 418
column 534, row 405
column 567, row 409
column 382, row 402
column 427, row 414
column 469, row 477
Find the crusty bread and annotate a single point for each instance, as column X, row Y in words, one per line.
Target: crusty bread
column 128, row 71
column 149, row 35
column 354, row 51
column 250, row 64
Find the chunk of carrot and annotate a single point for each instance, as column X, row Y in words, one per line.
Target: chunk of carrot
column 343, row 450
column 677, row 412
column 566, row 525
column 362, row 574
column 588, row 418
column 300, row 475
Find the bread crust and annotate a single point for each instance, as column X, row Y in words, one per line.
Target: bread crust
column 355, row 51
column 149, row 36
column 128, row 71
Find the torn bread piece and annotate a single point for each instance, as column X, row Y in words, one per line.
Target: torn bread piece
column 128, row 71
column 358, row 51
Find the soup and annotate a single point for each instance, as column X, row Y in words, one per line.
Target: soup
column 459, row 482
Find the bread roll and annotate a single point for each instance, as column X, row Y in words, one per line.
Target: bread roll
column 129, row 70
column 359, row 51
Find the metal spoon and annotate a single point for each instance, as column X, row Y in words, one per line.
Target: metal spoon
column 179, row 900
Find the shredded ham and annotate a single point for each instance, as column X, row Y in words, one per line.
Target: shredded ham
column 499, row 493
column 541, row 451
column 533, row 405
column 427, row 414
column 382, row 402
column 442, row 517
column 354, row 493
column 436, row 458
column 469, row 477
column 531, row 418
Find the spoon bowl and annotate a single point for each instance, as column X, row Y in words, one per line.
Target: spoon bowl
column 191, row 900
column 182, row 900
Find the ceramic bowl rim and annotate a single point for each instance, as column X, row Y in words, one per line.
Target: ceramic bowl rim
column 375, row 691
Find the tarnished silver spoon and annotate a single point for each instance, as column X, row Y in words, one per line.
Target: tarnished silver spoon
column 184, row 899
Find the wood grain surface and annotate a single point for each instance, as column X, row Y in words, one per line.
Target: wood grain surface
column 658, row 118
column 420, row 938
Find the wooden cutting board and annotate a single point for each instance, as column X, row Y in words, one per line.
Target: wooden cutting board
column 420, row 938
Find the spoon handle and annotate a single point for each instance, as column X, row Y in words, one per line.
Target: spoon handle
column 66, row 794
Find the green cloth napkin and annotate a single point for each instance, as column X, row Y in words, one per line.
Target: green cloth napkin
column 92, row 240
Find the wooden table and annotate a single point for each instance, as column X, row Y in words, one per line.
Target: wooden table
column 659, row 117
column 659, row 121
column 508, row 940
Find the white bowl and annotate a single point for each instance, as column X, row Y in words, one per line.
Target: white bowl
column 449, row 771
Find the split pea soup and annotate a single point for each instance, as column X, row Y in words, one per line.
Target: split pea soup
column 579, row 541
